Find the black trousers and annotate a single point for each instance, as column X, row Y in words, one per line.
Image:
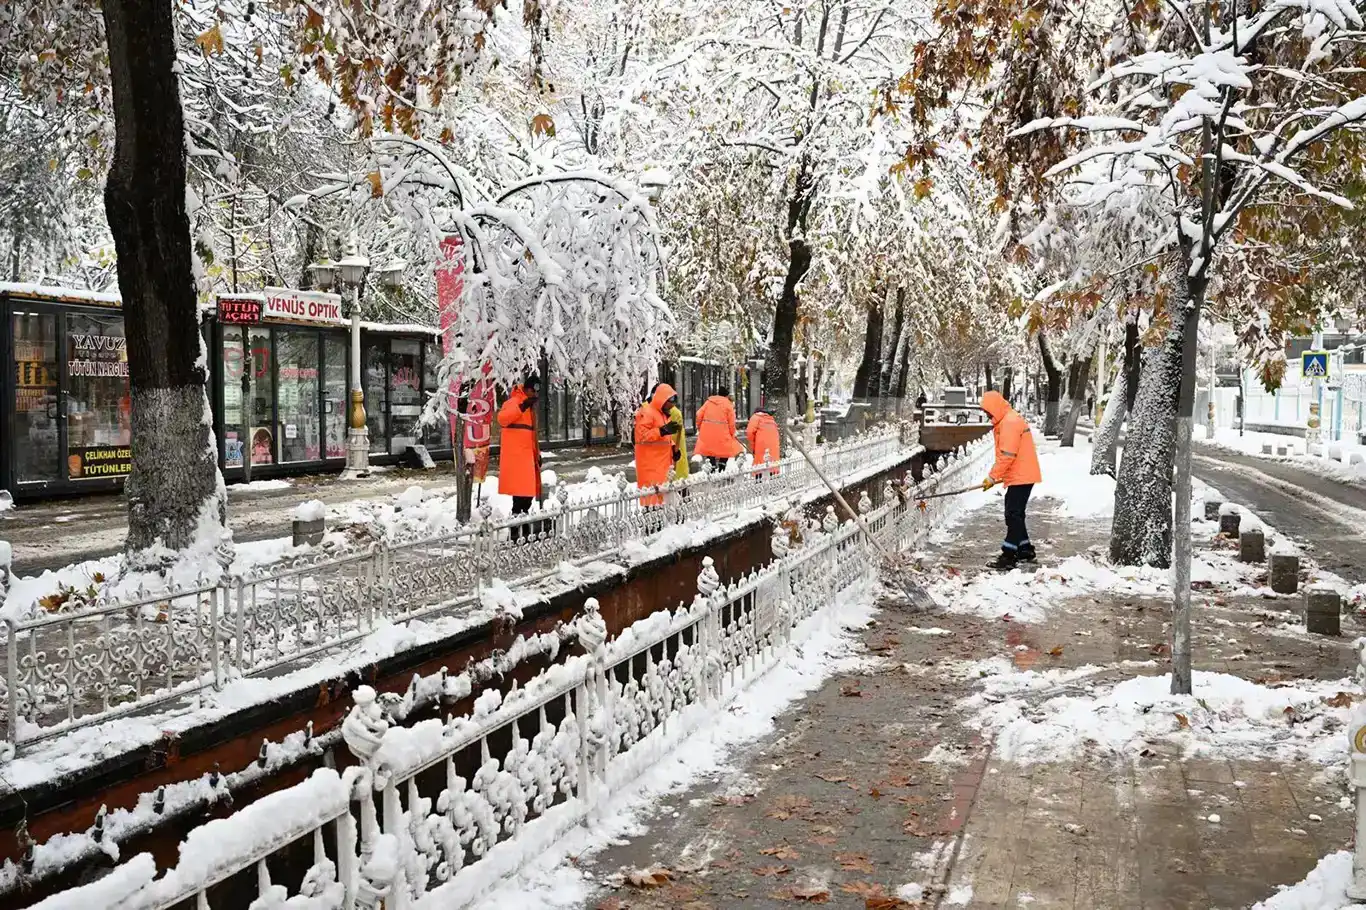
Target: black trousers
column 1017, row 535
column 717, row 464
column 521, row 505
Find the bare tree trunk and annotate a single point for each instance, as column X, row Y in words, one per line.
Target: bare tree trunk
column 777, row 362
column 903, row 349
column 872, row 350
column 893, row 346
column 1007, row 383
column 1105, row 446
column 175, row 489
column 1078, row 374
column 1142, row 529
column 990, row 384
column 1050, row 368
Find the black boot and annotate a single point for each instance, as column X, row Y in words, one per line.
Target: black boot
column 1004, row 561
column 1026, row 554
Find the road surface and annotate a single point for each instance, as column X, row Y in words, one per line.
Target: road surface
column 1329, row 516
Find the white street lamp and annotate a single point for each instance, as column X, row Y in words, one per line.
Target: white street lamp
column 350, row 270
column 391, row 273
column 324, row 274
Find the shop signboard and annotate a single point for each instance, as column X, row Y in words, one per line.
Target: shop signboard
column 99, row 461
column 239, row 310
column 307, row 307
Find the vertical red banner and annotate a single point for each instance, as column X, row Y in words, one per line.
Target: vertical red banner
column 450, row 287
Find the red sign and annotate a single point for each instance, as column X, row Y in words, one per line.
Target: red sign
column 283, row 305
column 239, row 310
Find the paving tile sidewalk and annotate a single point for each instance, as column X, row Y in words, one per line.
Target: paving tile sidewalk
column 875, row 783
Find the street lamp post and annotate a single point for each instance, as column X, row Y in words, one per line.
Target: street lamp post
column 351, row 270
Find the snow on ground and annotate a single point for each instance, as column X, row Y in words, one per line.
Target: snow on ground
column 259, row 486
column 1069, row 485
column 1061, row 715
column 1325, row 888
column 557, row 878
column 1333, row 460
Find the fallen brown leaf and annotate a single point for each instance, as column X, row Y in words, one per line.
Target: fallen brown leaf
column 814, row 894
column 898, row 780
column 1161, row 649
column 1183, row 722
column 783, row 851
column 1341, row 700
column 653, row 877
column 767, row 871
column 852, row 690
column 742, row 799
column 784, row 807
column 884, row 902
column 875, row 793
column 854, row 861
column 611, row 903
column 863, row 889
column 1055, row 652
column 822, row 840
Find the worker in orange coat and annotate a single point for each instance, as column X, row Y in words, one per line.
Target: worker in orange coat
column 716, row 438
column 1017, row 469
column 654, row 442
column 519, row 459
column 762, row 435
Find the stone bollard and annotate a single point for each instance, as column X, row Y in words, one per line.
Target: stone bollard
column 1335, row 453
column 1322, row 610
column 1212, row 509
column 1266, row 448
column 1252, row 545
column 1355, row 459
column 1229, row 519
column 309, row 523
column 1285, row 573
column 1356, row 737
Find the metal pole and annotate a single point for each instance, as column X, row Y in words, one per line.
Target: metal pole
column 358, row 433
column 246, row 405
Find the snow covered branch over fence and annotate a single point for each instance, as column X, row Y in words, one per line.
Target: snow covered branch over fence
column 69, row 670
column 435, row 814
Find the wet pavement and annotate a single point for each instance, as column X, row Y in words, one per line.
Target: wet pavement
column 874, row 793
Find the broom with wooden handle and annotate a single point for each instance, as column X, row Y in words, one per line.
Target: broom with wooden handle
column 916, row 594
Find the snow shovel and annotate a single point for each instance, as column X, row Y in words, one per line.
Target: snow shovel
column 921, row 500
column 917, row 595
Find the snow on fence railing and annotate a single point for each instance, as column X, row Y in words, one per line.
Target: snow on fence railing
column 434, row 814
column 69, row 670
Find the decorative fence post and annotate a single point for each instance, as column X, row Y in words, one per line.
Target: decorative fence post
column 363, row 732
column 1356, row 890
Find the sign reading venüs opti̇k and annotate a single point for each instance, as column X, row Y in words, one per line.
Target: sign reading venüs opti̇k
column 284, row 305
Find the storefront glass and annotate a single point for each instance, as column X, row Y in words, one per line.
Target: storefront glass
column 436, row 435
column 299, row 428
column 335, row 354
column 35, row 440
column 233, row 435
column 98, row 406
column 262, row 398
column 405, row 394
column 574, row 421
column 554, row 424
column 373, row 367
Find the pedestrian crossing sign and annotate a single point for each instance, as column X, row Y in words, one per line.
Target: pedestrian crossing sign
column 1314, row 364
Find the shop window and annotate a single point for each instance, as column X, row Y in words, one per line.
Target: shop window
column 298, row 429
column 373, row 366
column 99, row 409
column 35, row 438
column 554, row 402
column 405, row 394
column 435, row 435
column 336, row 395
column 233, row 434
column 262, row 398
column 574, row 422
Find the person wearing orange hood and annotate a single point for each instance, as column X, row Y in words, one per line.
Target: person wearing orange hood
column 654, row 442
column 1017, row 469
column 762, row 435
column 716, row 439
column 519, row 458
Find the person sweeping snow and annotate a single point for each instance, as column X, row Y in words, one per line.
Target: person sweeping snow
column 1017, row 469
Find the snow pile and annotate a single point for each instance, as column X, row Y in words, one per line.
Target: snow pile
column 1325, row 888
column 1253, row 443
column 260, row 486
column 1227, row 717
column 1070, row 486
column 310, row 510
column 6, row 501
column 1027, row 596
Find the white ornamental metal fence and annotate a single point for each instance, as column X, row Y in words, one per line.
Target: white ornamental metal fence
column 72, row 669
column 435, row 814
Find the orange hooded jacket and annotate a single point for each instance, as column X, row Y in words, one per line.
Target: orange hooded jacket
column 519, row 458
column 654, row 448
column 716, row 429
column 1017, row 462
column 762, row 433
